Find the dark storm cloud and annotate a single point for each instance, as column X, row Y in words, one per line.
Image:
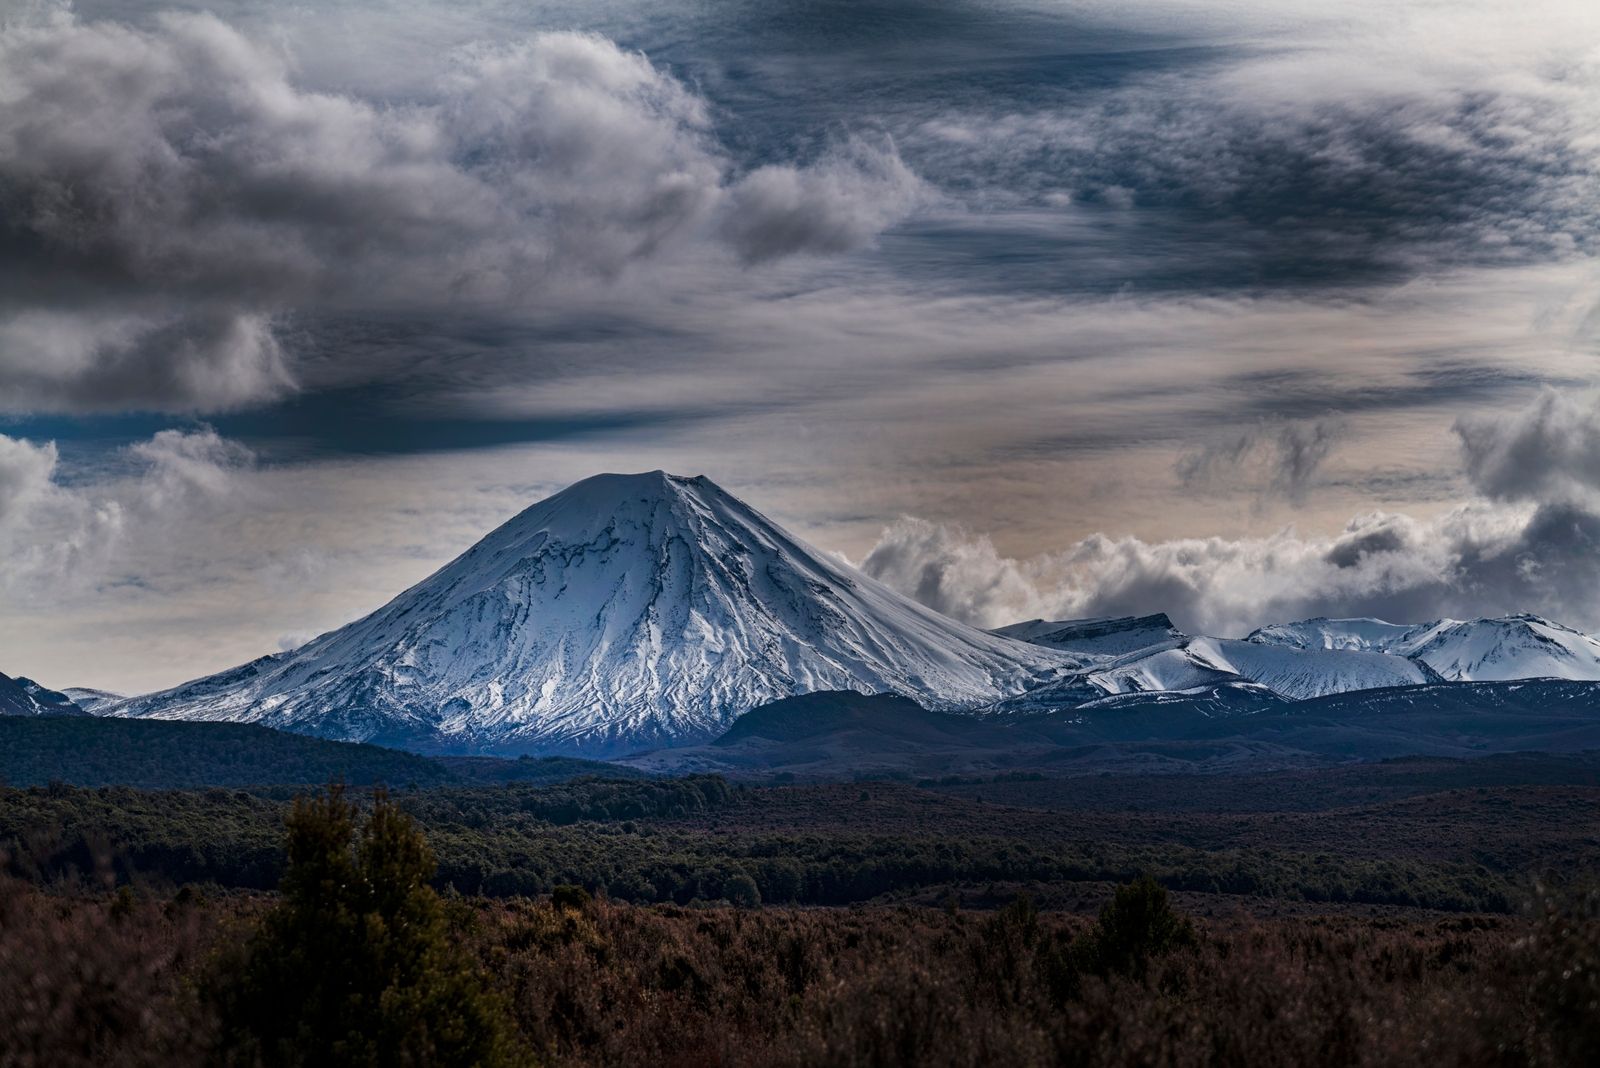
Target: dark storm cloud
column 184, row 218
column 217, row 357
column 1358, row 545
column 168, row 193
column 1550, row 450
column 831, row 207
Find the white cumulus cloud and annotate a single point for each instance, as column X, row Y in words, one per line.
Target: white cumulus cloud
column 1530, row 541
column 61, row 536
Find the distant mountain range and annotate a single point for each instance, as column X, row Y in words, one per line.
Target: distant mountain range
column 639, row 612
column 1479, row 650
column 1299, row 661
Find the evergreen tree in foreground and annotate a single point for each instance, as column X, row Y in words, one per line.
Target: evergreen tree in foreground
column 356, row 966
column 1137, row 924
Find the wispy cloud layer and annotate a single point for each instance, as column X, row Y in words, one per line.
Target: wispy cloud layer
column 1280, row 459
column 1361, row 139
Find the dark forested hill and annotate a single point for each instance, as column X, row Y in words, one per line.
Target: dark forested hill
column 165, row 755
column 156, row 754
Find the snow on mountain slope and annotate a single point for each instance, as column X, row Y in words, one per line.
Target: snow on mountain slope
column 1193, row 665
column 24, row 697
column 1223, row 701
column 89, row 699
column 1097, row 637
column 1300, row 674
column 1508, row 648
column 14, row 700
column 1486, row 650
column 1362, row 635
column 1293, row 673
column 1182, row 667
column 625, row 611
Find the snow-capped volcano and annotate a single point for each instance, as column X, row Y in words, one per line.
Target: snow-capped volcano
column 625, row 611
column 1478, row 650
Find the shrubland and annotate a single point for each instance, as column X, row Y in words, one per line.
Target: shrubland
column 674, row 922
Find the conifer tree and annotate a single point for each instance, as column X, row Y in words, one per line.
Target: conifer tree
column 356, row 965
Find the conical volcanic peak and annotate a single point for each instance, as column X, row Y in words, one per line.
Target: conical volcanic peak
column 625, row 611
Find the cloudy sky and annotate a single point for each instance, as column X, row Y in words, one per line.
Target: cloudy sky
column 1244, row 310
